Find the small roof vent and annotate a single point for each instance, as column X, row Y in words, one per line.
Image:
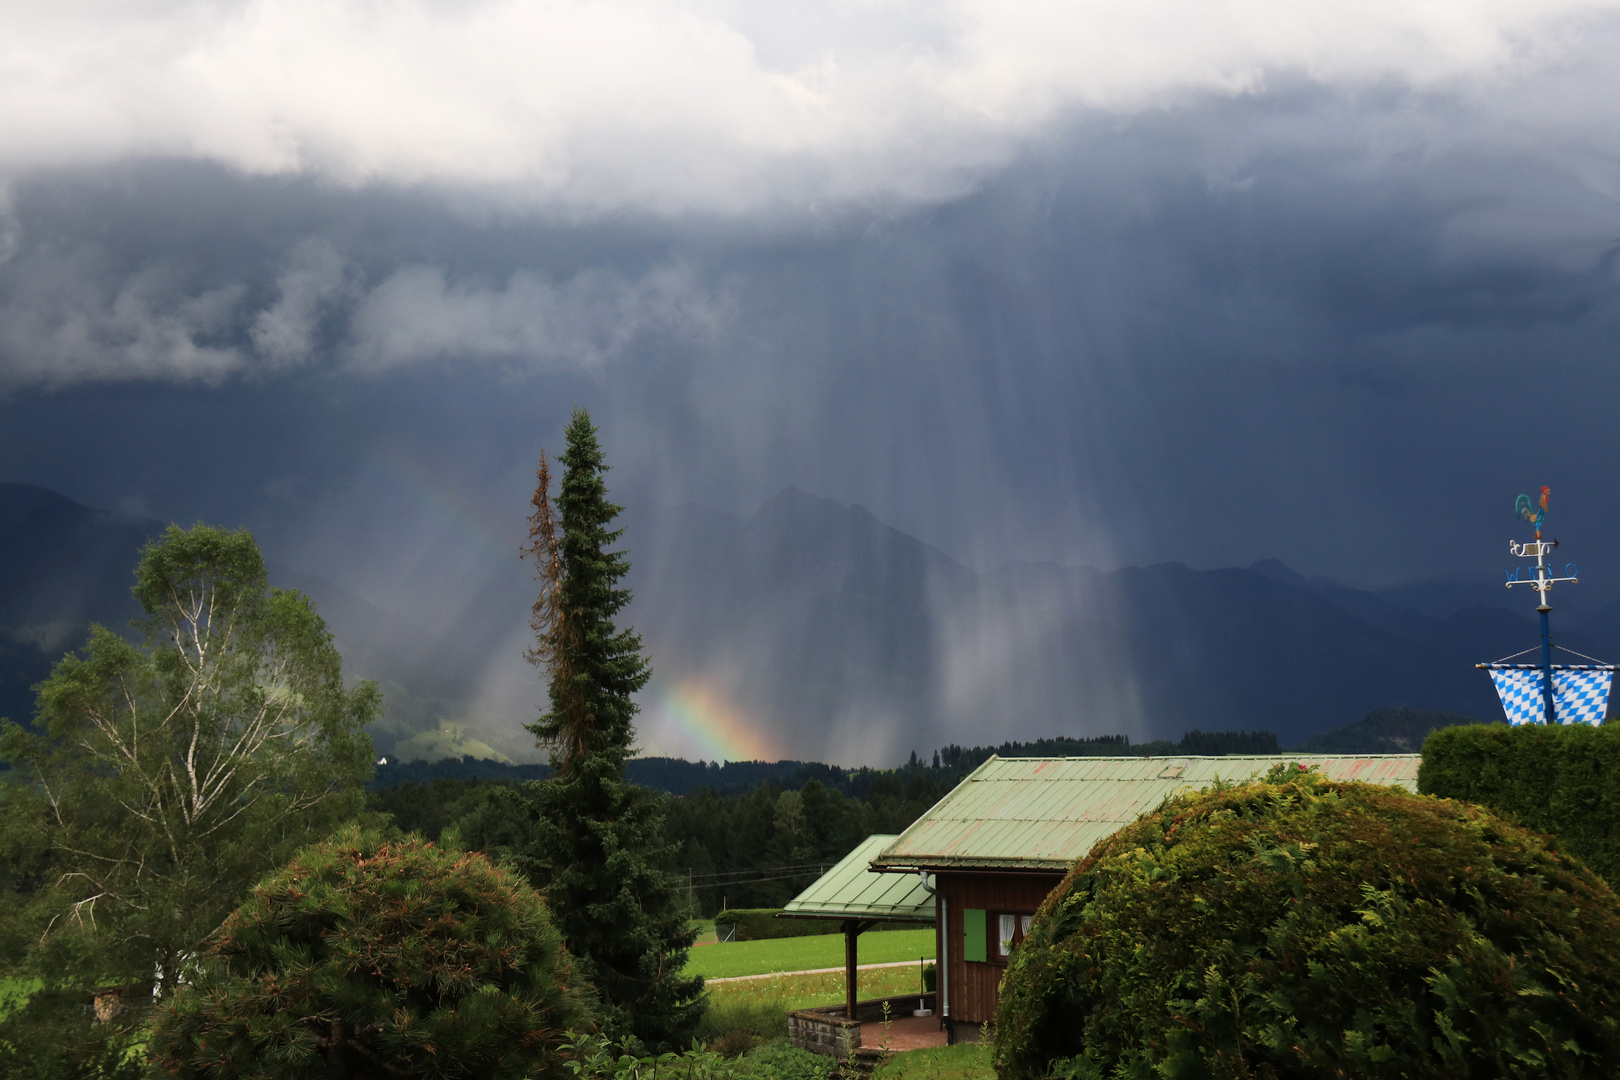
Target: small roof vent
column 1173, row 772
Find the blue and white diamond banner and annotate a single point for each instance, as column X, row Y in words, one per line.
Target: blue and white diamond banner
column 1580, row 694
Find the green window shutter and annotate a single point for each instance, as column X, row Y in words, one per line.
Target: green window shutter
column 973, row 947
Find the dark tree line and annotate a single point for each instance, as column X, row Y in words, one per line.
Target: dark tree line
column 674, row 775
column 761, row 848
column 752, row 848
column 1195, row 743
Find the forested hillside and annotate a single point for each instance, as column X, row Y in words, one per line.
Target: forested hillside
column 754, row 847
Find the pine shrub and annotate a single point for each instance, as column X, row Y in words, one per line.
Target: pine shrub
column 367, row 959
column 1299, row 927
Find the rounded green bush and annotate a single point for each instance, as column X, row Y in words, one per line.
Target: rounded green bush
column 1305, row 928
column 368, row 959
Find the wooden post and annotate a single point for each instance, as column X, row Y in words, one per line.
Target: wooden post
column 851, row 931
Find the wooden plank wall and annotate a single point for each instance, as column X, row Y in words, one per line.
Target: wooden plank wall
column 973, row 985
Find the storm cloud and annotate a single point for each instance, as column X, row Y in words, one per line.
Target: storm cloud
column 1099, row 284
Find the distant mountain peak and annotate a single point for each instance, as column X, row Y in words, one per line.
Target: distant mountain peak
column 19, row 499
column 1277, row 570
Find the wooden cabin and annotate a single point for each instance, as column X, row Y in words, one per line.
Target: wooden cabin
column 993, row 848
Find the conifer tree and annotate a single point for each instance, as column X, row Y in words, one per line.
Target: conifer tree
column 597, row 848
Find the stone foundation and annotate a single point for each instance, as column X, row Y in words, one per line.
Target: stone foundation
column 827, row 1030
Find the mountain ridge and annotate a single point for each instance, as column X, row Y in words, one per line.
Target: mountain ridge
column 829, row 629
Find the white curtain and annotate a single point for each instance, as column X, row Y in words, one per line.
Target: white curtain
column 1010, row 924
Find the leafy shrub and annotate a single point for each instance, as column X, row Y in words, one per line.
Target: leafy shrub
column 368, row 959
column 594, row 1057
column 783, row 1062
column 733, row 1025
column 1563, row 780
column 1304, row 928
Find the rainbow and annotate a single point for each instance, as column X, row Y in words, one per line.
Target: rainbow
column 698, row 721
column 395, row 469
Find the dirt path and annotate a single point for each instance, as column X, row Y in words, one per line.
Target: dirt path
column 812, row 971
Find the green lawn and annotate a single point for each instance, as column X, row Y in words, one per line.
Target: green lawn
column 965, row 1061
column 730, row 958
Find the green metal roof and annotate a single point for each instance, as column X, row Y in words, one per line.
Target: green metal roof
column 1044, row 813
column 852, row 890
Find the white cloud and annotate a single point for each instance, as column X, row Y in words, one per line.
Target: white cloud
column 584, row 106
column 419, row 315
column 10, row 227
column 68, row 318
column 62, row 322
column 287, row 332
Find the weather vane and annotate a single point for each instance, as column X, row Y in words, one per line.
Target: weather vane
column 1535, row 515
column 1562, row 693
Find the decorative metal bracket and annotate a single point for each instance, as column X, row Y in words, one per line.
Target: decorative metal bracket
column 1538, row 550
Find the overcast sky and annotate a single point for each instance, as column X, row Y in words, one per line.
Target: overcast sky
column 1109, row 283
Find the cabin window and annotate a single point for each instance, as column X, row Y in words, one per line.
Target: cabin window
column 1011, row 926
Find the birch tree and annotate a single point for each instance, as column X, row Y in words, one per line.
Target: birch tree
column 160, row 781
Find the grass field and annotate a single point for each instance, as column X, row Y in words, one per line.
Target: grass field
column 789, row 992
column 731, row 958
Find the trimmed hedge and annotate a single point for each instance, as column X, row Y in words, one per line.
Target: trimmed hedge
column 1563, row 780
column 1305, row 928
column 759, row 924
column 376, row 960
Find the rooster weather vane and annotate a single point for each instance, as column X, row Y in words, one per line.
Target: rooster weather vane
column 1535, row 515
column 1547, row 692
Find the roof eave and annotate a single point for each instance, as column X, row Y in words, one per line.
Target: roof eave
column 886, row 916
column 1007, row 866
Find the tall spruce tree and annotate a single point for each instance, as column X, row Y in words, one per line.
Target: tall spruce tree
column 597, row 848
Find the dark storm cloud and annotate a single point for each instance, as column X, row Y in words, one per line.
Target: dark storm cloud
column 1340, row 324
column 1107, row 357
column 1183, row 337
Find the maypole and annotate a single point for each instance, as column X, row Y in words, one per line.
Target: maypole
column 1567, row 693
